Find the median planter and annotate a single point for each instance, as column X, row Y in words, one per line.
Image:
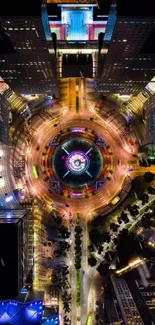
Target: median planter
column 78, row 291
column 78, row 243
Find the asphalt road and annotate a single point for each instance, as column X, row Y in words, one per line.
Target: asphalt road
column 41, row 131
column 45, row 132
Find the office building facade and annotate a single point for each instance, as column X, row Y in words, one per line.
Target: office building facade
column 77, row 28
column 27, row 64
column 150, row 120
column 11, row 269
column 120, row 307
column 4, row 115
column 128, row 301
column 129, row 38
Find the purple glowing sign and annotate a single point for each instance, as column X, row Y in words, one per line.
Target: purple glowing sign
column 76, row 194
column 78, row 130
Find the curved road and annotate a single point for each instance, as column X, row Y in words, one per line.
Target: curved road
column 42, row 127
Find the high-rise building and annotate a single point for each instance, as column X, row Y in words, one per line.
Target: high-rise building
column 27, row 58
column 129, row 38
column 77, row 28
column 4, row 116
column 150, row 120
column 120, row 307
column 128, row 301
column 11, row 249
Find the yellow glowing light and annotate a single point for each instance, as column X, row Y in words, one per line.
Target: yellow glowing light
column 2, row 182
column 1, row 153
column 115, row 200
column 151, row 244
column 131, row 264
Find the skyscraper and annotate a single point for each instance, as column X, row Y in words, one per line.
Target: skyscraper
column 129, row 38
column 150, row 120
column 11, row 249
column 128, row 301
column 26, row 62
column 120, row 307
column 4, row 115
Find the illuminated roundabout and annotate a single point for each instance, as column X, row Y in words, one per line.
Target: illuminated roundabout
column 77, row 163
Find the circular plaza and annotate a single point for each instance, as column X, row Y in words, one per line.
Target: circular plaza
column 77, row 162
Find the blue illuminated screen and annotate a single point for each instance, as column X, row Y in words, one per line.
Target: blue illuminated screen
column 17, row 313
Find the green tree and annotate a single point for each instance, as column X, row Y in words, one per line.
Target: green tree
column 92, row 261
column 148, row 177
column 103, row 269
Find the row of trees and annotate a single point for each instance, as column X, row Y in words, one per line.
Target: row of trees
column 126, row 243
column 60, row 278
column 63, row 235
column 99, row 237
column 78, row 255
column 99, row 313
column 128, row 246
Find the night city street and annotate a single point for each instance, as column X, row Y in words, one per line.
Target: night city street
column 77, row 162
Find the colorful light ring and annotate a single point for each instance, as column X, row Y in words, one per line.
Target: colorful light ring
column 77, row 162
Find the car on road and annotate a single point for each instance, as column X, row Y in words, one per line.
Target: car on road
column 55, row 125
column 49, row 190
column 67, row 205
column 38, row 148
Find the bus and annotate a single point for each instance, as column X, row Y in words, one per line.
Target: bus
column 35, row 172
column 89, row 320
